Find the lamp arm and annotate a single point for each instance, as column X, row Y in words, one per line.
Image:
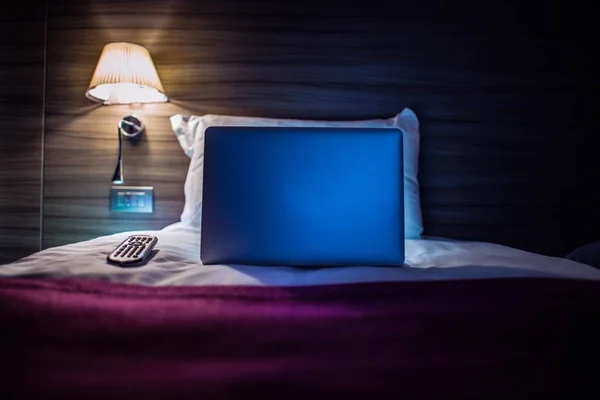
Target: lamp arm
column 118, row 175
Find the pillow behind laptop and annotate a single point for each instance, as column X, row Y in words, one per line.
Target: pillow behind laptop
column 190, row 132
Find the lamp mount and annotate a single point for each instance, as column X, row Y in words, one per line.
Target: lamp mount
column 131, row 126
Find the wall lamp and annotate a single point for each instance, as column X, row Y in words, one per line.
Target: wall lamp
column 125, row 74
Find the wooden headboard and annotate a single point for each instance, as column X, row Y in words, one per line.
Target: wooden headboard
column 500, row 89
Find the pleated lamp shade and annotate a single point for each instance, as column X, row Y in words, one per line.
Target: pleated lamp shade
column 125, row 74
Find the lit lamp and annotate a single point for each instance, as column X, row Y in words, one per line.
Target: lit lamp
column 125, row 74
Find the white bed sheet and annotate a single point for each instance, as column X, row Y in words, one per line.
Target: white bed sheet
column 178, row 263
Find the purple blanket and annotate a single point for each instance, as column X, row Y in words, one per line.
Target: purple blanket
column 503, row 338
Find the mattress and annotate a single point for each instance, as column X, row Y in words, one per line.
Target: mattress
column 458, row 320
column 177, row 263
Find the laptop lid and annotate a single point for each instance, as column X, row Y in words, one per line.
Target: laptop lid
column 302, row 196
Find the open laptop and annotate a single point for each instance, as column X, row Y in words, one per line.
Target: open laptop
column 302, row 196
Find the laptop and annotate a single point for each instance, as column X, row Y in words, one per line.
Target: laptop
column 302, row 196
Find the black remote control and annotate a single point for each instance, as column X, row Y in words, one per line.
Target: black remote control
column 133, row 251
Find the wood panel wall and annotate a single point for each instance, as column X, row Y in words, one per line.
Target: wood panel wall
column 81, row 136
column 22, row 43
column 503, row 91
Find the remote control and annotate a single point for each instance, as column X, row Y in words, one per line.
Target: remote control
column 133, row 251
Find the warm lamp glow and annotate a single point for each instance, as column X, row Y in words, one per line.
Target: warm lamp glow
column 125, row 74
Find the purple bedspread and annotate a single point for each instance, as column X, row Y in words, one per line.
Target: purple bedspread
column 503, row 338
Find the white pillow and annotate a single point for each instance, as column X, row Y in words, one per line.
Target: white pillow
column 190, row 133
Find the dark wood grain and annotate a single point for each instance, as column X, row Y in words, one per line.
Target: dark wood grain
column 81, row 152
column 505, row 97
column 22, row 43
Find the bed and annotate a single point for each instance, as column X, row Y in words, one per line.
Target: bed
column 460, row 319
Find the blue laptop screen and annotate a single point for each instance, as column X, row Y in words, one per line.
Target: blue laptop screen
column 302, row 196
